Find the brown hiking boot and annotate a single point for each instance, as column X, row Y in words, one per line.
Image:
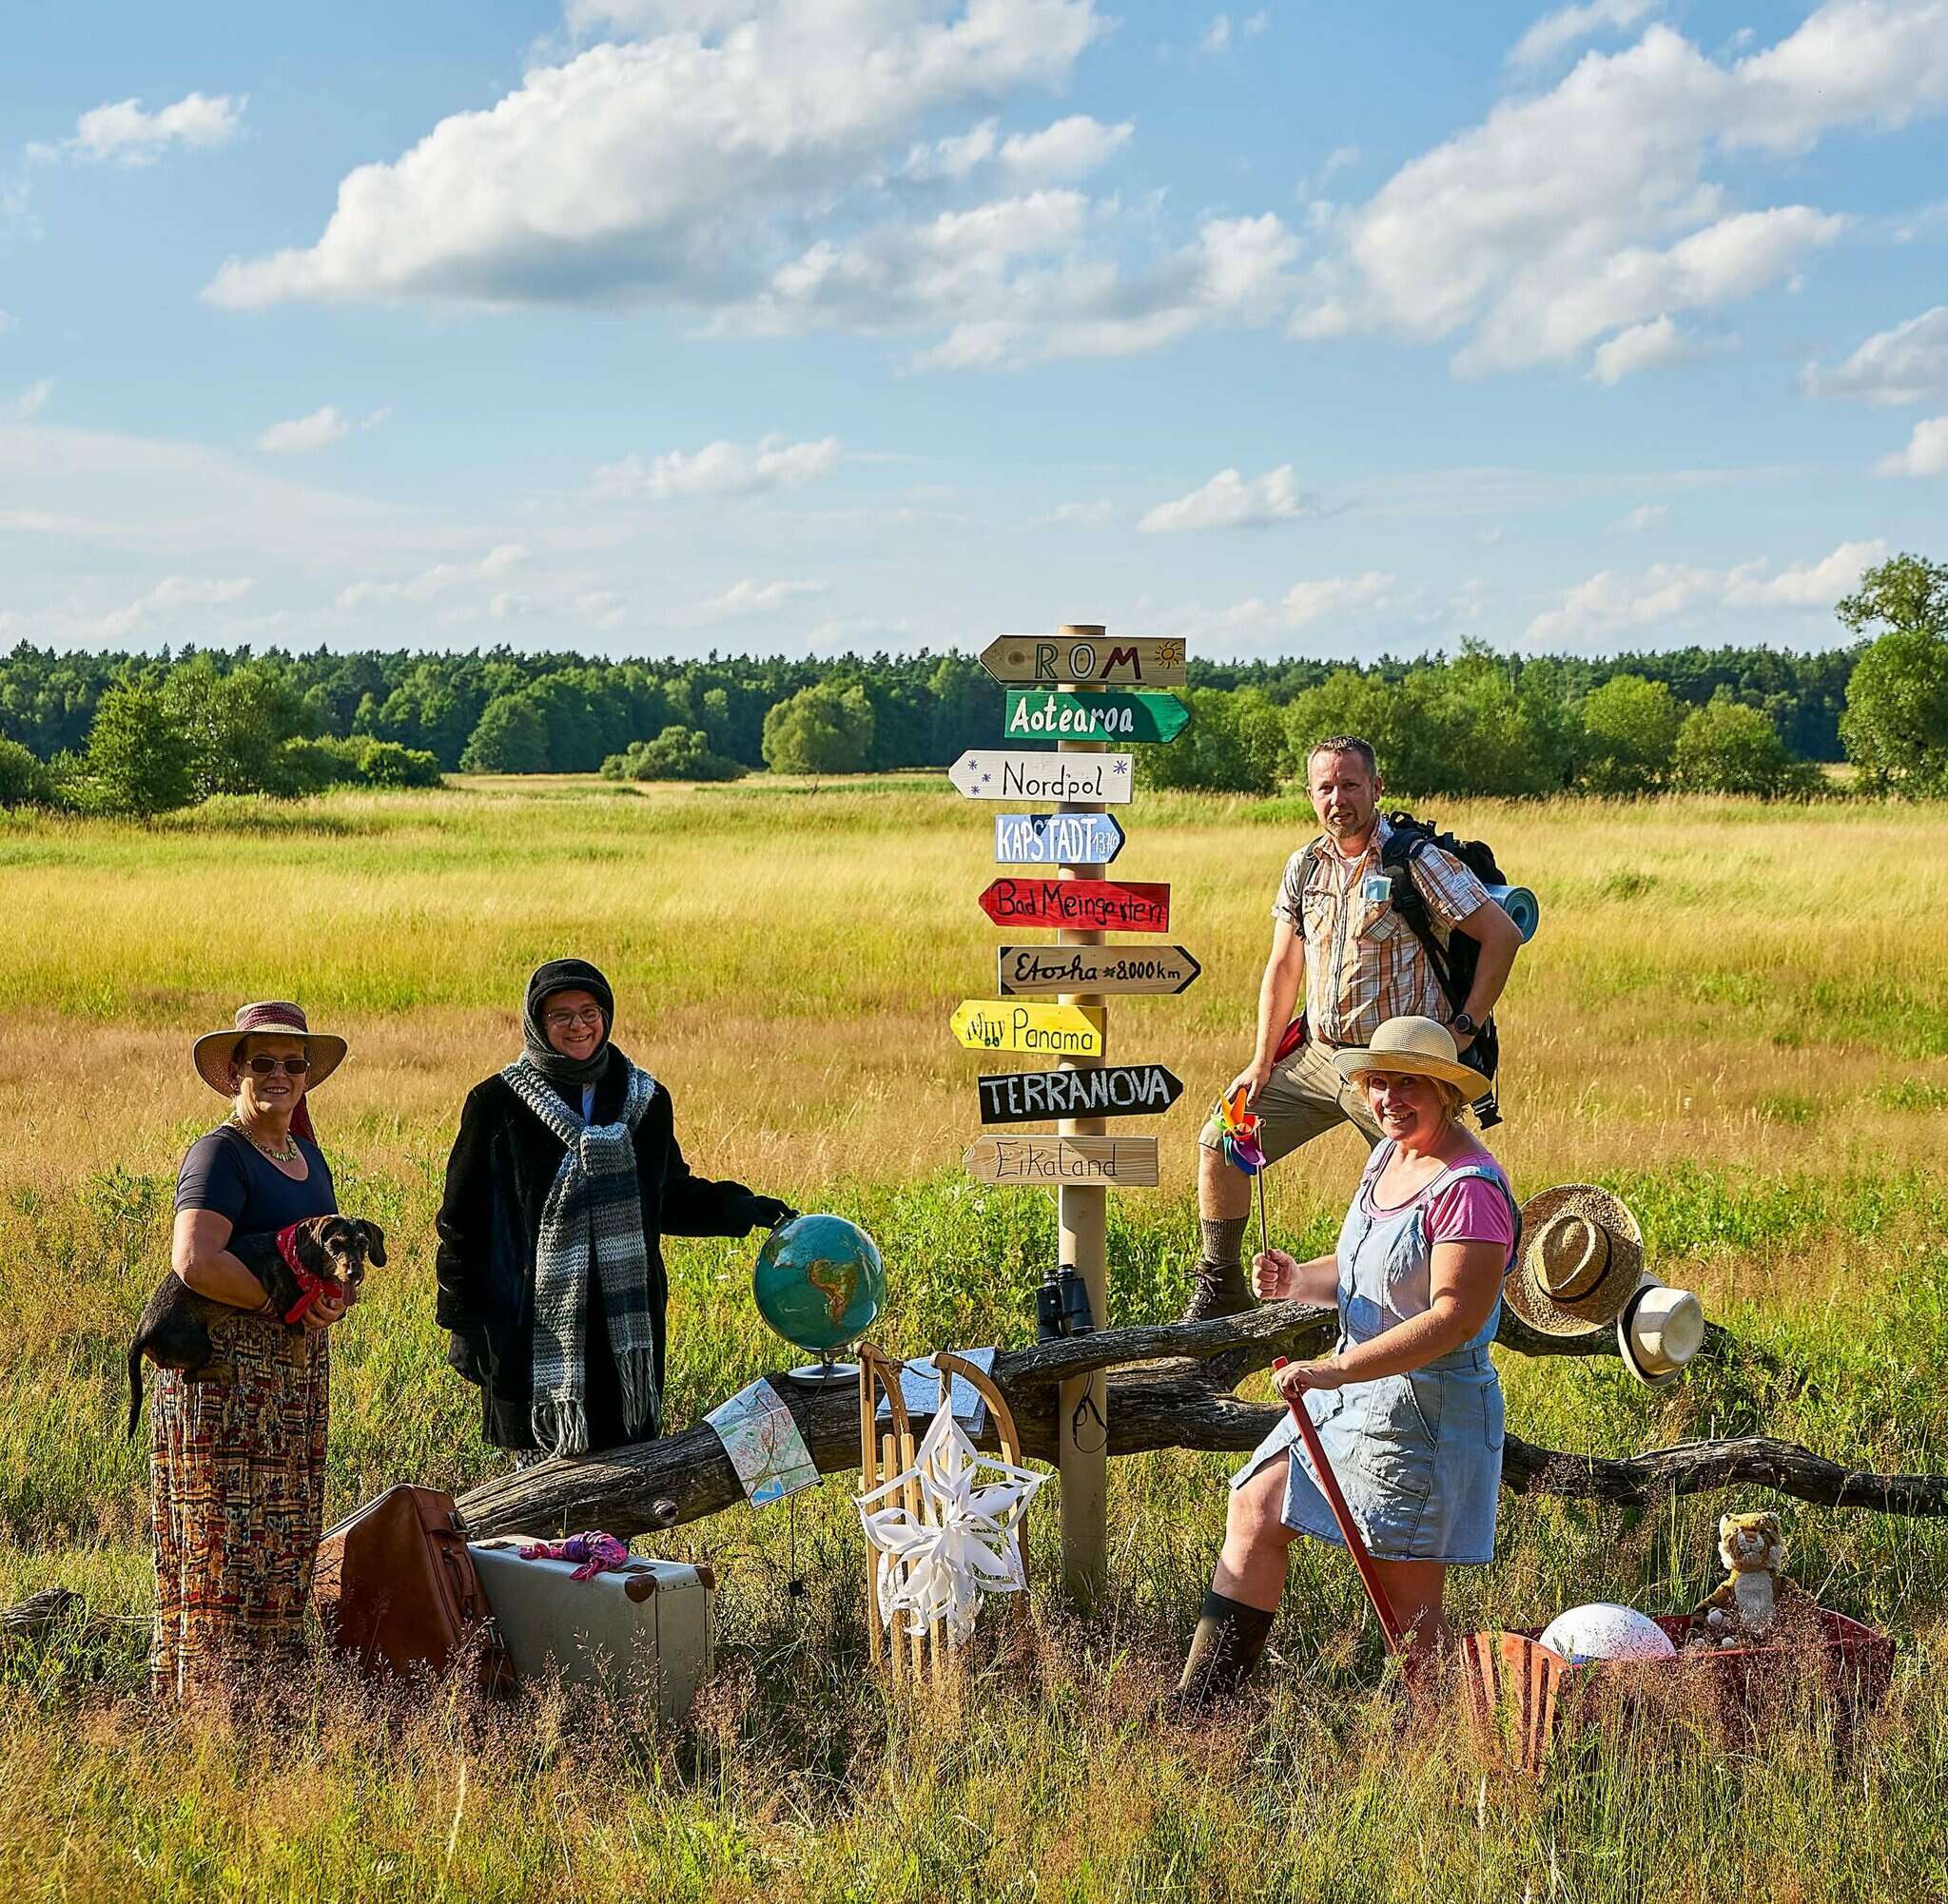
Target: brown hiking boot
column 1216, row 1292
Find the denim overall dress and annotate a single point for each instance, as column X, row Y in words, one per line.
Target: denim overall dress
column 1419, row 1457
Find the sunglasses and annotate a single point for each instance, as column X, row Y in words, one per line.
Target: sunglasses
column 291, row 1067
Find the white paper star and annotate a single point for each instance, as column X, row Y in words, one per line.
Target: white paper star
column 965, row 1540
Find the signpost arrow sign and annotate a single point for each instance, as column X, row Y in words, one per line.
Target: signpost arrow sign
column 1094, row 968
column 1043, row 713
column 1056, row 839
column 1130, row 661
column 1104, row 1090
column 1007, row 1024
column 1081, row 905
column 985, row 774
column 1127, row 1162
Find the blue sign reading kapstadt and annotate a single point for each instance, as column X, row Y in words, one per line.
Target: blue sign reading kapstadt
column 1056, row 839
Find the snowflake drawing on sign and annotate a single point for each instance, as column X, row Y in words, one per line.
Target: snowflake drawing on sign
column 964, row 1540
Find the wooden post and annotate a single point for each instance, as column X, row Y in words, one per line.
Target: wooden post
column 1082, row 1426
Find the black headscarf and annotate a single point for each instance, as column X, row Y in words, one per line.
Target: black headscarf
column 566, row 975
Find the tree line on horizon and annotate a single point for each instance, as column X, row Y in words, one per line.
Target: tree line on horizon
column 120, row 732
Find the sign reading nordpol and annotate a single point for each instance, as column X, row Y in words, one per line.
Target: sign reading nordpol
column 1102, row 778
column 1109, row 1091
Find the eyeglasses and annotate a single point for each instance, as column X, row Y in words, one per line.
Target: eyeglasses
column 589, row 1015
column 291, row 1067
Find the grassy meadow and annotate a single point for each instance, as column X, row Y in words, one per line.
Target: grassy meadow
column 1735, row 1015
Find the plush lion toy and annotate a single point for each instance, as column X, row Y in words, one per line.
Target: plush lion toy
column 1755, row 1601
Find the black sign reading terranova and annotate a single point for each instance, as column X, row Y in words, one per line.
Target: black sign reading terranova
column 1106, row 1091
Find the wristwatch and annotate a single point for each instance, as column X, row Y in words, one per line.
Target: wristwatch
column 1463, row 1026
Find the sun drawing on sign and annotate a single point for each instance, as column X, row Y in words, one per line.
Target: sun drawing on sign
column 964, row 1542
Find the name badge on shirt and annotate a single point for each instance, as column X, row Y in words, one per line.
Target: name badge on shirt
column 1376, row 888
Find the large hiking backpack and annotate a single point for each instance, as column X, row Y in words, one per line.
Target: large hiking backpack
column 1454, row 962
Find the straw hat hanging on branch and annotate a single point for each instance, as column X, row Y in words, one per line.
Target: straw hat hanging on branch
column 1582, row 1259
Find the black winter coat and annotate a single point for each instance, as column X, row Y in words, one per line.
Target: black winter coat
column 498, row 1179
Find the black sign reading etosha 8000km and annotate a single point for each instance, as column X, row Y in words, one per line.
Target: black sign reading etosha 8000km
column 1108, row 1090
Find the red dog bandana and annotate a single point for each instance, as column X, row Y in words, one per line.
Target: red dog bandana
column 310, row 1288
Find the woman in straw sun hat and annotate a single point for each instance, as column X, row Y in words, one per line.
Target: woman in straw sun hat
column 236, row 1463
column 1406, row 1407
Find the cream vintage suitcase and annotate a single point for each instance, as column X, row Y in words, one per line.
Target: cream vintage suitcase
column 641, row 1631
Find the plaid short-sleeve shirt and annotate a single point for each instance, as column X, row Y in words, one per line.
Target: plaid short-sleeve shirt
column 1363, row 965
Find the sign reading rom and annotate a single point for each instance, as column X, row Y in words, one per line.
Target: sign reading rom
column 1056, row 839
column 1094, row 968
column 1042, row 713
column 1081, row 905
column 1103, row 1091
column 985, row 774
column 1130, row 1162
column 1007, row 1024
column 1134, row 661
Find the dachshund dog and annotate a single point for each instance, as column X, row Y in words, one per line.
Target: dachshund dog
column 322, row 1256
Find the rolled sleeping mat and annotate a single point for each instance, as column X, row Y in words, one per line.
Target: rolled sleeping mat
column 1520, row 903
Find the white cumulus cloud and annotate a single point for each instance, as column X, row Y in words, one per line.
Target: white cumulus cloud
column 749, row 599
column 1926, row 453
column 1907, row 364
column 1650, row 347
column 33, row 400
column 1570, row 26
column 1645, row 516
column 721, row 468
column 125, row 132
column 301, row 436
column 1230, row 500
column 1612, row 603
column 440, row 579
column 170, row 596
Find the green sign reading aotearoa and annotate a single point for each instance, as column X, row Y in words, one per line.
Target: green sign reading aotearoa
column 1043, row 713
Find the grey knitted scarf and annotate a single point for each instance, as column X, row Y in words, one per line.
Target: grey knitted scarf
column 590, row 1224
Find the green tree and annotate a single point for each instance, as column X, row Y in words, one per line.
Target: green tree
column 1235, row 744
column 236, row 721
column 139, row 760
column 1725, row 746
column 1896, row 725
column 676, row 754
column 822, row 730
column 24, row 781
column 1630, row 728
column 512, row 737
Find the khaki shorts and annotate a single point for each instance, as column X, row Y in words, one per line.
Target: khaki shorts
column 1304, row 1097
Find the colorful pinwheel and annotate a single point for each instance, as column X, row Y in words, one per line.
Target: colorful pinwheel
column 1238, row 1128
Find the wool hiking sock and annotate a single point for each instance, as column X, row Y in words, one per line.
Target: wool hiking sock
column 1229, row 1641
column 1218, row 1283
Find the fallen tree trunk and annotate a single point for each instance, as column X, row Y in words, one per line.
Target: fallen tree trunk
column 1170, row 1386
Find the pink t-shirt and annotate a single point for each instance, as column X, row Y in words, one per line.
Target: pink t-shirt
column 1472, row 1209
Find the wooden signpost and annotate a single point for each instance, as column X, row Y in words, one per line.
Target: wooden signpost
column 1080, row 905
column 1084, row 658
column 1126, row 1162
column 1009, row 1025
column 1041, row 714
column 1107, row 1091
column 1107, row 968
column 1056, row 839
column 984, row 773
column 1070, row 674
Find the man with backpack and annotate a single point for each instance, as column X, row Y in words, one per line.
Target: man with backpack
column 1366, row 918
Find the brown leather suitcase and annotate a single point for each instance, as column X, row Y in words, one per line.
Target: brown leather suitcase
column 397, row 1591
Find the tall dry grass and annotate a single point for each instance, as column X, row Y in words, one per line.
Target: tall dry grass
column 1734, row 1013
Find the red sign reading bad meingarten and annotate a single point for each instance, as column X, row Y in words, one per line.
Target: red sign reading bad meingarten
column 1082, row 906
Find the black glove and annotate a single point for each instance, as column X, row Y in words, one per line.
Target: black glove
column 761, row 1212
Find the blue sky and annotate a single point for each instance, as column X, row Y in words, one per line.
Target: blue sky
column 654, row 326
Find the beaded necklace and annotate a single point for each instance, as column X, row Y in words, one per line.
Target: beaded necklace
column 290, row 1153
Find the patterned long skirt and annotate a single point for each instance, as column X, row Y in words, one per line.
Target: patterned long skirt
column 238, row 1471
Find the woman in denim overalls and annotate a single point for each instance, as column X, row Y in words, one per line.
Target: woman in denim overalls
column 1408, row 1407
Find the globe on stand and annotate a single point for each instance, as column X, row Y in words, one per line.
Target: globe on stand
column 819, row 1282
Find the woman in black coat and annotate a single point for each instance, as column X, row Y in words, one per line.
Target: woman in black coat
column 562, row 1181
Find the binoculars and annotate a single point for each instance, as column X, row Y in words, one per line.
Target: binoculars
column 1061, row 1305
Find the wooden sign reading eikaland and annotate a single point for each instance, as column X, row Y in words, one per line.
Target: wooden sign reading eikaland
column 984, row 773
column 1132, row 661
column 1091, row 1091
column 1007, row 1024
column 1127, row 1162
column 1094, row 968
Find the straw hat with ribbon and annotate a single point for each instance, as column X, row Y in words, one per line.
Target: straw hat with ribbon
column 1582, row 1259
column 1659, row 1329
column 213, row 1053
column 1421, row 1047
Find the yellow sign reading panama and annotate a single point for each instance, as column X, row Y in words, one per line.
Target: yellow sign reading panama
column 1021, row 1024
